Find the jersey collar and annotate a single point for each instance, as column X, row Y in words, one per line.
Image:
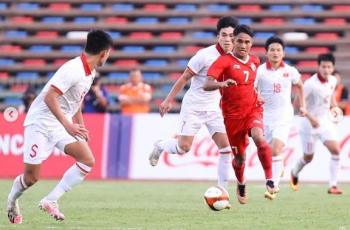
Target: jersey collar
column 220, row 49
column 85, row 64
column 269, row 66
column 322, row 80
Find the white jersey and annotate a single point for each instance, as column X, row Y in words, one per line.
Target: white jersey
column 196, row 98
column 318, row 95
column 72, row 80
column 275, row 86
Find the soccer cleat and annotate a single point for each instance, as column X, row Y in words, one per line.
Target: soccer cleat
column 155, row 154
column 293, row 182
column 241, row 194
column 335, row 190
column 13, row 212
column 51, row 207
column 270, row 190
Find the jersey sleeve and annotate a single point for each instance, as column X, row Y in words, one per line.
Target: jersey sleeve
column 64, row 79
column 196, row 63
column 217, row 68
column 307, row 88
column 296, row 76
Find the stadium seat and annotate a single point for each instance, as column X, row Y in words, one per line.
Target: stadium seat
column 13, row 101
column 27, row 75
column 46, row 34
column 126, row 62
column 115, row 34
column 146, row 20
column 7, row 61
column 326, row 36
column 246, row 21
column 203, row 35
column 133, row 49
column 312, row 8
column 34, row 62
column 174, row 76
column 291, row 50
column 279, row 8
column 258, row 50
column 155, row 7
column 185, row 7
column 71, row 48
column 218, row 7
column 193, row 49
column 27, row 6
column 164, row 49
column 304, row 21
column 19, row 88
column 152, row 76
column 272, row 21
column 116, row 20
column 123, row 7
column 335, row 21
column 76, row 34
column 16, row 34
column 91, row 6
column 249, row 8
column 4, row 75
column 208, row 21
column 295, row 36
column 59, row 62
column 59, row 6
column 264, row 35
column 317, row 50
column 11, row 48
column 341, row 8
column 84, row 20
column 156, row 62
column 50, row 74
column 22, row 19
column 141, row 35
column 118, row 75
column 3, row 6
column 178, row 20
column 171, row 35
column 307, row 63
column 40, row 48
column 52, row 20
column 182, row 62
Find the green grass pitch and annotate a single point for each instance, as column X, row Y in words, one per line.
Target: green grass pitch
column 135, row 205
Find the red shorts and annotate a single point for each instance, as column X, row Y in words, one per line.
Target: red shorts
column 238, row 130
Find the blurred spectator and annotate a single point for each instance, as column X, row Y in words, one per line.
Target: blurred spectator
column 28, row 97
column 342, row 95
column 135, row 96
column 96, row 100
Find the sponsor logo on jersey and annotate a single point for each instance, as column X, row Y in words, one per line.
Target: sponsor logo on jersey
column 285, row 75
column 235, row 66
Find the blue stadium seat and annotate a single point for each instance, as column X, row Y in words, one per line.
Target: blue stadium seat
column 156, row 62
column 91, row 6
column 7, row 61
column 27, row 6
column 84, row 20
column 312, row 8
column 71, row 48
column 218, row 7
column 16, row 34
column 246, row 21
column 3, row 6
column 164, row 49
column 203, row 35
column 182, row 62
column 185, row 7
column 279, row 8
column 151, row 76
column 40, row 48
column 133, row 49
column 291, row 49
column 13, row 101
column 263, row 35
column 118, row 75
column 147, row 20
column 52, row 20
column 123, row 7
column 115, row 34
column 166, row 88
column 178, row 20
column 304, row 21
column 50, row 74
column 27, row 75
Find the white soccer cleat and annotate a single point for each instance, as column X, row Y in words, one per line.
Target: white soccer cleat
column 155, row 154
column 51, row 207
column 13, row 212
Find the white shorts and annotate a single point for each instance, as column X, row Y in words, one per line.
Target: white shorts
column 280, row 132
column 40, row 143
column 192, row 122
column 309, row 135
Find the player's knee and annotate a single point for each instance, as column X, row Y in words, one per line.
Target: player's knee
column 259, row 140
column 30, row 179
column 308, row 158
column 239, row 159
column 90, row 162
column 185, row 147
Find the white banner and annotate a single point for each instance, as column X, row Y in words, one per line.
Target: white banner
column 201, row 162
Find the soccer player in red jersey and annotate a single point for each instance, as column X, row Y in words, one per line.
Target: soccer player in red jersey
column 234, row 74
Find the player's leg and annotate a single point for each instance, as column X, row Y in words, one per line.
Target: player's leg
column 333, row 147
column 216, row 128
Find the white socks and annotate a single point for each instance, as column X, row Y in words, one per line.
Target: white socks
column 298, row 166
column 72, row 177
column 171, row 146
column 17, row 189
column 277, row 169
column 333, row 170
column 224, row 166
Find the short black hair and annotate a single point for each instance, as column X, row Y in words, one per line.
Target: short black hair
column 326, row 57
column 227, row 21
column 243, row 29
column 273, row 39
column 97, row 41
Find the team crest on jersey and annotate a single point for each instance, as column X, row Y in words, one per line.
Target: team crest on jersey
column 252, row 66
column 235, row 66
column 285, row 75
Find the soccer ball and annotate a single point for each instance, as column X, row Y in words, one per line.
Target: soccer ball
column 217, row 198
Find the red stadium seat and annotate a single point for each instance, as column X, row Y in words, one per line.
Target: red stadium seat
column 155, row 7
column 258, row 50
column 171, row 35
column 273, row 21
column 208, row 21
column 174, row 76
column 4, row 75
column 46, row 34
column 317, row 50
column 193, row 49
column 341, row 8
column 141, row 35
column 126, row 62
column 11, row 48
column 307, row 64
column 250, row 8
column 19, row 88
column 59, row 6
column 112, row 88
column 335, row 21
column 59, row 62
column 116, row 20
column 22, row 19
column 326, row 36
column 34, row 62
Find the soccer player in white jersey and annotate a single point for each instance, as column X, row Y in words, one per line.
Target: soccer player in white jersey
column 274, row 82
column 200, row 107
column 319, row 99
column 55, row 120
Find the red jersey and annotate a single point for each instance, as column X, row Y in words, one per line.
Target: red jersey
column 236, row 101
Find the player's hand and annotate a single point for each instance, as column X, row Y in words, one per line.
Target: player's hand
column 164, row 107
column 314, row 123
column 302, row 111
column 228, row 82
column 77, row 130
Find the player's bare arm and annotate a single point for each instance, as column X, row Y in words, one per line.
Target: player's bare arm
column 300, row 95
column 166, row 105
column 211, row 84
column 51, row 100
